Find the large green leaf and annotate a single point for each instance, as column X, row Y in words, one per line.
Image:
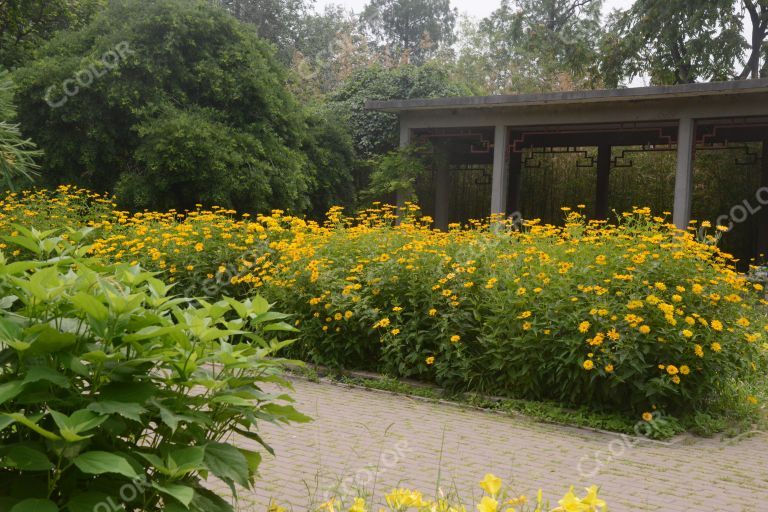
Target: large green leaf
column 182, row 493
column 26, row 458
column 70, row 427
column 98, row 463
column 38, row 373
column 10, row 390
column 46, row 339
column 35, row 505
column 125, row 409
column 90, row 501
column 227, row 462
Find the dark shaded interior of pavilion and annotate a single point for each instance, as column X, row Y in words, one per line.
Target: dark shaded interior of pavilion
column 607, row 168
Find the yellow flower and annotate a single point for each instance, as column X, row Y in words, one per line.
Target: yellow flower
column 524, row 314
column 570, row 503
column 358, row 506
column 647, row 416
column 644, row 329
column 717, row 325
column 609, row 368
column 455, row 338
column 584, row 326
column 685, row 370
column 751, row 399
column 592, row 501
column 491, row 484
column 686, row 333
column 347, row 315
column 588, row 364
column 488, row 504
column 672, row 369
column 698, row 350
column 394, row 332
column 716, row 347
column 430, row 360
column 432, row 312
column 676, row 379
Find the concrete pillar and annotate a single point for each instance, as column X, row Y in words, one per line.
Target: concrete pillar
column 500, row 174
column 405, row 141
column 442, row 190
column 762, row 216
column 686, row 137
column 515, row 182
column 603, row 181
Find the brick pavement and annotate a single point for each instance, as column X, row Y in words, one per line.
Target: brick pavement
column 371, row 440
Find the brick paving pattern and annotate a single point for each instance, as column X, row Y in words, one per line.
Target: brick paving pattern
column 374, row 440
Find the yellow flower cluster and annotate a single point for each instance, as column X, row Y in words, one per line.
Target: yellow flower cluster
column 495, row 499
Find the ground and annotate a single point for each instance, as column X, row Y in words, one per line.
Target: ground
column 372, row 439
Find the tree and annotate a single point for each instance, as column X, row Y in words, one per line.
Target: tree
column 758, row 16
column 531, row 45
column 411, row 29
column 196, row 110
column 25, row 24
column 376, row 133
column 673, row 41
column 278, row 21
column 17, row 155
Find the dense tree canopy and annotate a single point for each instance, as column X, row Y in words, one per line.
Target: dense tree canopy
column 25, row 24
column 195, row 110
column 416, row 29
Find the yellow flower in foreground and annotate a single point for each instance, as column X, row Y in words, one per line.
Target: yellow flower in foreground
column 570, row 503
column 491, row 484
column 430, row 360
column 698, row 350
column 274, row 507
column 358, row 506
column 717, row 325
column 404, row 498
column 592, row 501
column 647, row 416
column 584, row 326
column 609, row 368
column 644, row 329
column 432, row 312
column 588, row 364
column 455, row 338
column 488, row 505
column 716, row 347
column 672, row 369
column 685, row 370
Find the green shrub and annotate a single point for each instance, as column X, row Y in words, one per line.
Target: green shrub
column 112, row 391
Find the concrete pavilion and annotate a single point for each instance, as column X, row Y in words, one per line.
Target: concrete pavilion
column 497, row 130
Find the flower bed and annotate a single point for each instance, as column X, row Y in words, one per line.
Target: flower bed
column 624, row 317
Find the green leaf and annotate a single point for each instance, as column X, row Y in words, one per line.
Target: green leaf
column 38, row 373
column 98, row 463
column 186, row 460
column 182, row 493
column 35, row 505
column 126, row 410
column 227, row 462
column 87, row 502
column 79, row 422
column 253, row 459
column 46, row 339
column 91, row 306
column 31, row 424
column 10, row 390
column 22, row 241
column 26, row 458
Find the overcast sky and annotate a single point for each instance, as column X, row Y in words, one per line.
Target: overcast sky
column 477, row 8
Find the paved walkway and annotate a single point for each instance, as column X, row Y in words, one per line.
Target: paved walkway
column 374, row 440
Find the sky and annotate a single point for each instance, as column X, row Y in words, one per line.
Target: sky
column 476, row 8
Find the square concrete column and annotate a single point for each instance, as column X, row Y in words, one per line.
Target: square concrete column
column 686, row 137
column 442, row 194
column 405, row 141
column 500, row 171
column 762, row 215
column 604, row 160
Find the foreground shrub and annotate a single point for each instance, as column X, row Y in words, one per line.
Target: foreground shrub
column 623, row 317
column 116, row 395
